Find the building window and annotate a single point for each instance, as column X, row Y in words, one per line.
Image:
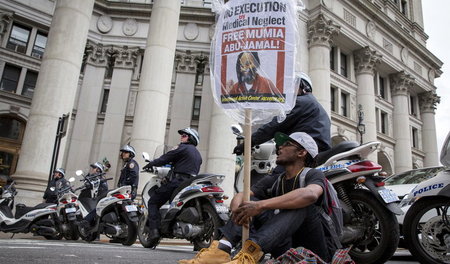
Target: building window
column 10, row 78
column 333, row 98
column 196, row 108
column 344, row 104
column 383, row 122
column 412, row 106
column 110, row 67
column 404, row 7
column 332, row 60
column 415, row 137
column 10, row 128
column 18, row 39
column 382, row 87
column 39, row 45
column 199, row 76
column 344, row 66
column 29, row 84
column 104, row 101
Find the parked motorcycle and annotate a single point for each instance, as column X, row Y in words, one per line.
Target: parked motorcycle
column 426, row 226
column 38, row 219
column 194, row 212
column 116, row 214
column 370, row 225
column 67, row 209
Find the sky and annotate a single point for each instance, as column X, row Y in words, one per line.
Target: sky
column 436, row 20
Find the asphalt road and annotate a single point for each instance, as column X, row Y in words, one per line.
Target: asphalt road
column 38, row 251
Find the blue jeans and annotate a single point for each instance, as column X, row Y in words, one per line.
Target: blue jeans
column 276, row 233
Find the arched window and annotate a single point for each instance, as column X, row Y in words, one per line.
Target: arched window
column 11, row 134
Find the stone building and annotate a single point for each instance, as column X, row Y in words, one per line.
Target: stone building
column 138, row 70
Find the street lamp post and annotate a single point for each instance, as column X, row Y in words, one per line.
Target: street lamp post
column 361, row 126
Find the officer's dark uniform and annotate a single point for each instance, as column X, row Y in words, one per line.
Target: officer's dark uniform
column 51, row 196
column 186, row 161
column 129, row 175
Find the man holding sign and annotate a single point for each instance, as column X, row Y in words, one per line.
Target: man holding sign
column 284, row 215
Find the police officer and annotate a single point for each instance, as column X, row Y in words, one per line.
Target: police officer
column 49, row 195
column 186, row 161
column 96, row 169
column 129, row 175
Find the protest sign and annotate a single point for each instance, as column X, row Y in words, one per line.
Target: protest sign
column 254, row 53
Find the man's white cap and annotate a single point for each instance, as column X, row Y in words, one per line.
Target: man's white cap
column 305, row 140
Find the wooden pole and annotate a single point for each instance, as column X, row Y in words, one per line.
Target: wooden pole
column 247, row 163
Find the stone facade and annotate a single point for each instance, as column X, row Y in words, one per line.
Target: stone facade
column 124, row 78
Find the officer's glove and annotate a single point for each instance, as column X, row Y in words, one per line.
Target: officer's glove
column 239, row 149
column 164, row 180
column 148, row 168
column 133, row 192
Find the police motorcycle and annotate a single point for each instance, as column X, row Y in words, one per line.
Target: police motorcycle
column 369, row 209
column 195, row 211
column 39, row 220
column 116, row 214
column 427, row 221
column 67, row 209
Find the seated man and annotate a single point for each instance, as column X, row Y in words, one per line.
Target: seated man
column 280, row 209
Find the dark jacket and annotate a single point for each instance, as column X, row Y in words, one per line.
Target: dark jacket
column 185, row 159
column 52, row 196
column 307, row 116
column 129, row 175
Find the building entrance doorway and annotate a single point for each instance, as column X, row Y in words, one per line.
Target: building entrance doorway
column 11, row 135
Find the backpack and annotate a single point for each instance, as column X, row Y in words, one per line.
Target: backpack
column 331, row 212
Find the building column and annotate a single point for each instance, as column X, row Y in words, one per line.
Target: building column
column 400, row 84
column 111, row 137
column 6, row 18
column 365, row 61
column 428, row 102
column 55, row 92
column 320, row 34
column 180, row 116
column 221, row 143
column 150, row 118
column 81, row 141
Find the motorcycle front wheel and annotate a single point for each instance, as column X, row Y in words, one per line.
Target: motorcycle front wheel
column 143, row 233
column 212, row 223
column 132, row 232
column 72, row 232
column 427, row 228
column 381, row 229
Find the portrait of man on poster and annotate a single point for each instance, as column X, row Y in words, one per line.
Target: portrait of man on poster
column 250, row 81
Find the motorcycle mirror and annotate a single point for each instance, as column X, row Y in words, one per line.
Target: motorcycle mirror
column 71, row 179
column 79, row 172
column 146, row 156
column 237, row 130
column 52, row 189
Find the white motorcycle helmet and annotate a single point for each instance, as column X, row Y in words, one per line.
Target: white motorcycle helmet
column 194, row 138
column 129, row 149
column 304, row 83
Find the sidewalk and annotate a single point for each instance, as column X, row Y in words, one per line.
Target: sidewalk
column 103, row 238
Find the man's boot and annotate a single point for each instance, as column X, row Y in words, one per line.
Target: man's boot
column 211, row 255
column 250, row 253
column 153, row 235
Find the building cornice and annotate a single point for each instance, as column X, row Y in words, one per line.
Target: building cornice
column 382, row 19
column 195, row 14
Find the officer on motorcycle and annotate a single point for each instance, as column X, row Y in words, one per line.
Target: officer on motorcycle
column 129, row 175
column 96, row 169
column 307, row 116
column 186, row 161
column 49, row 195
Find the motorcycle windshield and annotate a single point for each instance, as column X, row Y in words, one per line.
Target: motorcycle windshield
column 161, row 150
column 445, row 152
